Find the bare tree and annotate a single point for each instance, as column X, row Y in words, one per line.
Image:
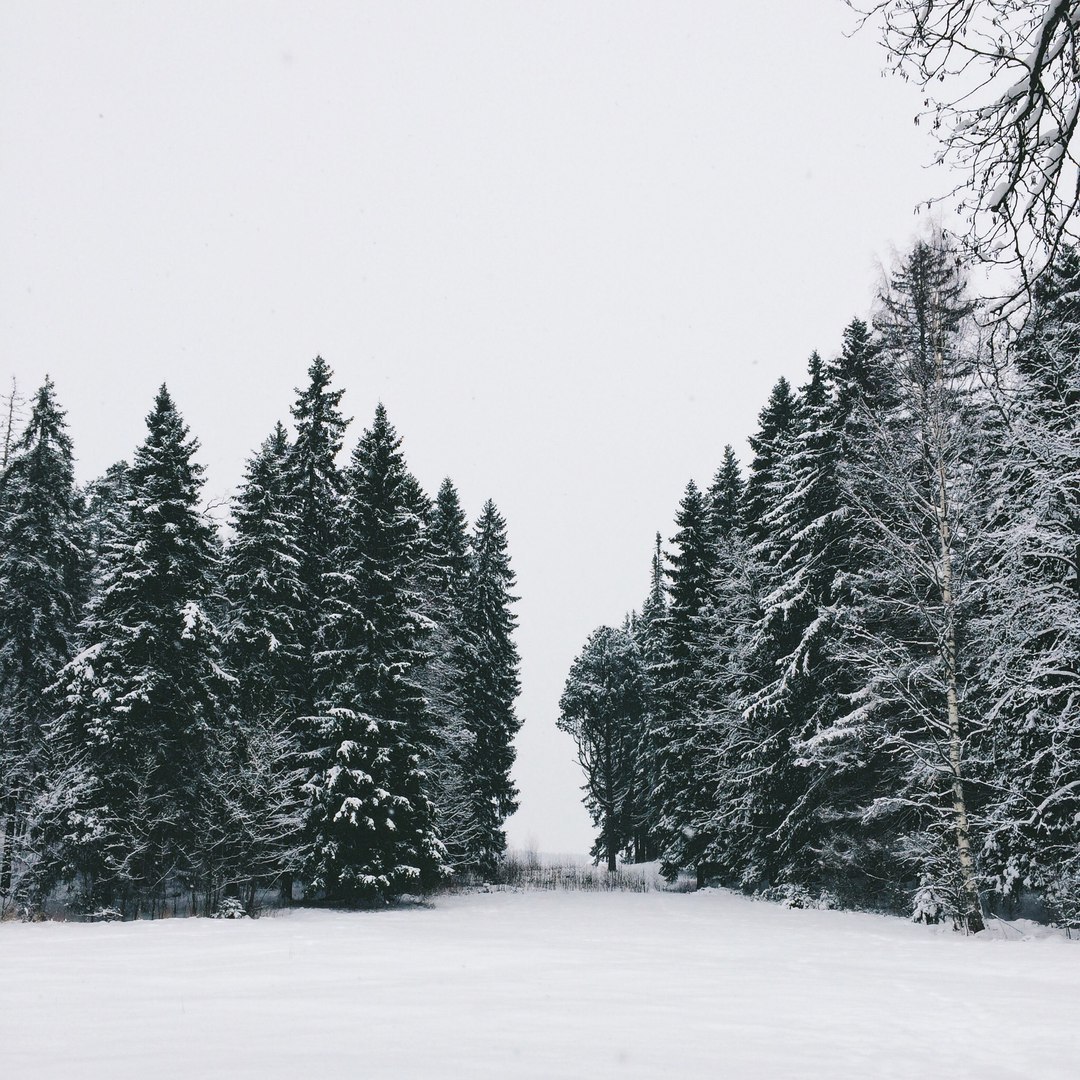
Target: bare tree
column 11, row 405
column 1002, row 83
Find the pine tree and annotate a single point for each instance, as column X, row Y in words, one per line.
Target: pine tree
column 315, row 488
column 42, row 584
column 649, row 634
column 774, row 424
column 678, row 733
column 266, row 611
column 794, row 639
column 445, row 581
column 726, row 496
column 489, row 688
column 370, row 822
column 146, row 701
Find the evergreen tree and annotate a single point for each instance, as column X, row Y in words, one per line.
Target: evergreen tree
column 370, row 823
column 649, row 634
column 266, row 610
column 315, row 489
column 146, row 700
column 445, row 580
column 677, row 737
column 726, row 497
column 774, row 424
column 793, row 640
column 42, row 582
column 489, row 688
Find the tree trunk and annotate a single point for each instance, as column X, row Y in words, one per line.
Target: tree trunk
column 972, row 913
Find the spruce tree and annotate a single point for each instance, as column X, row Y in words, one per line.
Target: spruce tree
column 315, row 489
column 678, row 734
column 774, row 425
column 445, row 581
column 489, row 688
column 793, row 645
column 42, row 583
column 146, row 701
column 648, row 632
column 370, row 824
column 266, row 611
column 726, row 497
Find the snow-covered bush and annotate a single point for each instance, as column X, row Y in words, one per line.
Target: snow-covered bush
column 230, row 908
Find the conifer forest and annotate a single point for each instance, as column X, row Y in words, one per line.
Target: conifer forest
column 320, row 704
column 854, row 679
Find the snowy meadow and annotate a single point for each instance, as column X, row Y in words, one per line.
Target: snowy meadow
column 537, row 983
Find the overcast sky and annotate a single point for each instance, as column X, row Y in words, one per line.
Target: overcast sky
column 571, row 246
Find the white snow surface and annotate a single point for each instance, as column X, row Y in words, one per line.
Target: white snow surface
column 536, row 984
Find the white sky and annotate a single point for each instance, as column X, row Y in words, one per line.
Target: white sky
column 570, row 245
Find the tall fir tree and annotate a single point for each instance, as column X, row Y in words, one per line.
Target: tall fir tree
column 146, row 701
column 677, row 737
column 648, row 629
column 768, row 444
column 266, row 603
column 42, row 584
column 315, row 488
column 445, row 582
column 489, row 688
column 370, row 825
column 726, row 497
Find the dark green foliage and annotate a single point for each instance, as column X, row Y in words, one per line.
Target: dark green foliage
column 370, row 825
column 315, row 487
column 677, row 737
column 42, row 584
column 146, row 710
column 266, row 603
column 489, row 689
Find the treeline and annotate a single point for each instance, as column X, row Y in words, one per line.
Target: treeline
column 856, row 676
column 322, row 703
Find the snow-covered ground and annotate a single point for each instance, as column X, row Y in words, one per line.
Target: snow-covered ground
column 536, row 984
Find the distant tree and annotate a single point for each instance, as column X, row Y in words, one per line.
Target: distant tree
column 1003, row 100
column 42, row 590
column 601, row 708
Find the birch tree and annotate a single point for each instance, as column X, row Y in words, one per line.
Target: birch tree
column 916, row 504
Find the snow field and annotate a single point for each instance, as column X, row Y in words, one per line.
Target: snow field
column 536, row 984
